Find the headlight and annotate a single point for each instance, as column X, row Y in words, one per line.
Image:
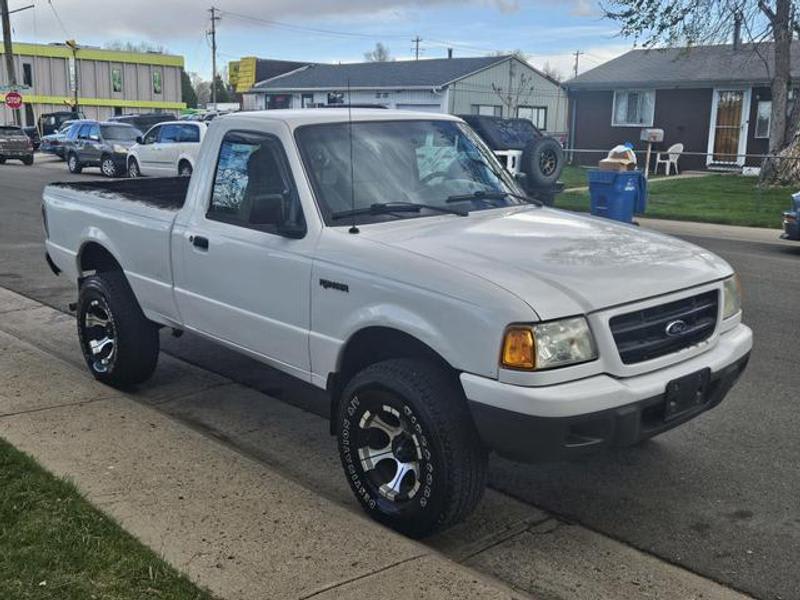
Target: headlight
column 548, row 345
column 731, row 297
column 119, row 149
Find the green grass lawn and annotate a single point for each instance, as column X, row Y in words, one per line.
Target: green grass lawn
column 725, row 199
column 573, row 176
column 55, row 545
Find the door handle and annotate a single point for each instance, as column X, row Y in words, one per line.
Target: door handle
column 199, row 241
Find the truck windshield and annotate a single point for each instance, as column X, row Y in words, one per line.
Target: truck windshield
column 119, row 133
column 419, row 162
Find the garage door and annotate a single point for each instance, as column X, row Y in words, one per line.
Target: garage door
column 433, row 108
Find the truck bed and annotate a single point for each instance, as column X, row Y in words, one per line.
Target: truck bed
column 163, row 192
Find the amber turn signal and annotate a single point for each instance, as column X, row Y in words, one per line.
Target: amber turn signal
column 518, row 349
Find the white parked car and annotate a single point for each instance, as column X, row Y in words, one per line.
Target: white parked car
column 393, row 262
column 167, row 149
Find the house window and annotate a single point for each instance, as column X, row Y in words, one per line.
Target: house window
column 157, row 82
column 763, row 117
column 487, row 110
column 307, row 100
column 27, row 74
column 535, row 114
column 116, row 80
column 633, row 108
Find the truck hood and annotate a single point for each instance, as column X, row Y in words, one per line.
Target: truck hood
column 560, row 263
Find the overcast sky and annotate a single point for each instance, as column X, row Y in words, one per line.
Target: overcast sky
column 548, row 30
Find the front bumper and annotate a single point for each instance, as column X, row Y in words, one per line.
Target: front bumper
column 570, row 419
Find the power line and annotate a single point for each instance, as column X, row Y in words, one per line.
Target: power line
column 58, row 19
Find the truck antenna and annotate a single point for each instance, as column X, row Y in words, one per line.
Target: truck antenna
column 353, row 227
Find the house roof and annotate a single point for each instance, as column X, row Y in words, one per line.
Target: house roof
column 685, row 67
column 370, row 75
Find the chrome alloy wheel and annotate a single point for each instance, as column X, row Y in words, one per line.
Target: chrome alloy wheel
column 390, row 454
column 108, row 167
column 100, row 335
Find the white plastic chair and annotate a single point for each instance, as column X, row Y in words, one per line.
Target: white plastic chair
column 673, row 153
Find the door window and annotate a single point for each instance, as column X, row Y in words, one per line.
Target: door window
column 93, row 132
column 169, row 134
column 252, row 184
column 152, row 135
column 188, row 133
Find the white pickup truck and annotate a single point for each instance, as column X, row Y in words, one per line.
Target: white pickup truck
column 388, row 258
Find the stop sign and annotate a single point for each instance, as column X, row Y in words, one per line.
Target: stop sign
column 14, row 100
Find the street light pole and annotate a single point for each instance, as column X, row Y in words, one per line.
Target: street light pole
column 9, row 52
column 214, row 18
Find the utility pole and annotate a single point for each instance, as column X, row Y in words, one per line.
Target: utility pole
column 73, row 45
column 577, row 59
column 416, row 42
column 9, row 52
column 214, row 19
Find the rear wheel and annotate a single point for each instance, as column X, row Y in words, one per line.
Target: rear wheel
column 120, row 345
column 2, row 160
column 28, row 160
column 408, row 446
column 73, row 164
column 108, row 167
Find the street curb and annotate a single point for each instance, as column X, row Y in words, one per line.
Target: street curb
column 234, row 525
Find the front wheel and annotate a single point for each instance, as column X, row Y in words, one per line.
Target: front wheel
column 185, row 169
column 120, row 345
column 409, row 448
column 28, row 160
column 133, row 168
column 108, row 167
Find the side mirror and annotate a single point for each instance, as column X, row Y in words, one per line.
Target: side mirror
column 139, row 139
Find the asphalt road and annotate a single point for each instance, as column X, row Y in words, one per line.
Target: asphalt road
column 719, row 496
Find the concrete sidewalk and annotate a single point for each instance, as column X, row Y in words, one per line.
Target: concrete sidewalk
column 232, row 524
column 171, row 464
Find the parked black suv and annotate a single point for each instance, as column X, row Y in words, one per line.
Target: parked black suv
column 14, row 143
column 104, row 145
column 145, row 121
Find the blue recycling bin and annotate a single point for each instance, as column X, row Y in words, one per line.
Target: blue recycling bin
column 617, row 195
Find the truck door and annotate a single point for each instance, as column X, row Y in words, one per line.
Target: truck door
column 245, row 267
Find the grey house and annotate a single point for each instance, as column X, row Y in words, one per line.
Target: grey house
column 714, row 100
column 497, row 85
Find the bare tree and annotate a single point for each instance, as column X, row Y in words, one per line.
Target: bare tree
column 379, row 54
column 517, row 92
column 552, row 72
column 693, row 22
column 135, row 47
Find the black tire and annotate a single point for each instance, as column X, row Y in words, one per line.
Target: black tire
column 436, row 436
column 108, row 167
column 2, row 160
column 543, row 161
column 132, row 355
column 73, row 164
column 133, row 168
column 185, row 169
column 28, row 160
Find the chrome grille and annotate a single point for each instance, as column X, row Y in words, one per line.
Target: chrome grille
column 653, row 332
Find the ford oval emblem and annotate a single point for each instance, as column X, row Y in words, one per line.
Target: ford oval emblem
column 676, row 328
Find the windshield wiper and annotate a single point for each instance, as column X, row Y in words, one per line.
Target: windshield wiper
column 491, row 195
column 383, row 208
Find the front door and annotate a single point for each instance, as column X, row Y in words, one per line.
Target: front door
column 238, row 279
column 728, row 131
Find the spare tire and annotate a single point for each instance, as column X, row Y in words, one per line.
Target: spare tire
column 543, row 161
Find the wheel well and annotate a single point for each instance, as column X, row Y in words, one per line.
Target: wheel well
column 373, row 345
column 95, row 257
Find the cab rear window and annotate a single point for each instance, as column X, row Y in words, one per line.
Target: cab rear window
column 11, row 132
